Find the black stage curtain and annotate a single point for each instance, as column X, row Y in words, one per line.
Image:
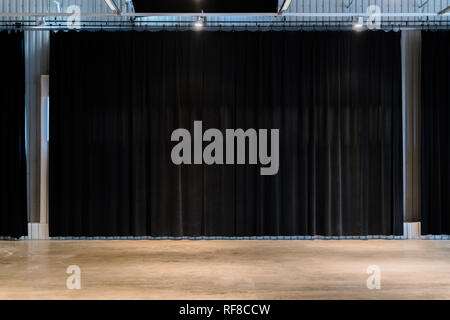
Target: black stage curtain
column 13, row 184
column 435, row 120
column 117, row 97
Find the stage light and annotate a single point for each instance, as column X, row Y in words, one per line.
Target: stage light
column 358, row 24
column 40, row 21
column 444, row 11
column 199, row 23
column 112, row 5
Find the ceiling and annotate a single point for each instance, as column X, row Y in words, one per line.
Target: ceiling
column 300, row 14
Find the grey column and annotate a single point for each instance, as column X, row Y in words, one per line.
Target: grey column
column 36, row 44
column 411, row 67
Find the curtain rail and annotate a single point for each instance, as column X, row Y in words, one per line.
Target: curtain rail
column 235, row 25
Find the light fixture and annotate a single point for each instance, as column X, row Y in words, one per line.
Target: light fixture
column 443, row 11
column 358, row 24
column 40, row 21
column 199, row 23
column 112, row 5
column 285, row 6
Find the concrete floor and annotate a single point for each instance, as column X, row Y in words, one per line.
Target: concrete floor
column 319, row 269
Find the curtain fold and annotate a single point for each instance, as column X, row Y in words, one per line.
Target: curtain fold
column 435, row 128
column 13, row 190
column 116, row 98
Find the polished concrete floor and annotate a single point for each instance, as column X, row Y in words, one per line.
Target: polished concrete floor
column 319, row 269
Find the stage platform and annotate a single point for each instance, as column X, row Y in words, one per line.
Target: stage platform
column 255, row 269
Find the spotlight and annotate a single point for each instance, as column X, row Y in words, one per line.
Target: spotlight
column 358, row 24
column 199, row 23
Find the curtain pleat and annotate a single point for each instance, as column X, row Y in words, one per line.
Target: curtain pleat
column 435, row 128
column 13, row 187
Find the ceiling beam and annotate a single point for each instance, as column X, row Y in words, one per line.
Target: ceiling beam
column 113, row 6
column 443, row 11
